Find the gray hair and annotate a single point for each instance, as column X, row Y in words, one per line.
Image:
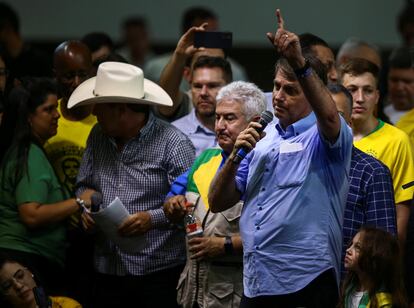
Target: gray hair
column 248, row 94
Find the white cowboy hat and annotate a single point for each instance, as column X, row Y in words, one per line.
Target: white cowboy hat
column 117, row 82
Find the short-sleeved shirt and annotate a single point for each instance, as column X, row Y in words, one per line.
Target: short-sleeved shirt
column 40, row 185
column 201, row 137
column 392, row 147
column 295, row 184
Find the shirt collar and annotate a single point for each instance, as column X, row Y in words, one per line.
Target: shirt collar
column 147, row 127
column 298, row 127
column 195, row 125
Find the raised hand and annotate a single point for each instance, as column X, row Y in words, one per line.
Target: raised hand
column 286, row 43
column 185, row 45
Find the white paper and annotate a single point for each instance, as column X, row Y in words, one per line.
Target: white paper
column 109, row 219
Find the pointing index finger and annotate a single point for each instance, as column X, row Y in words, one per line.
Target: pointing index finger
column 280, row 21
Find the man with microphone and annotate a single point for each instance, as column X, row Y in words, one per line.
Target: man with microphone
column 213, row 273
column 294, row 185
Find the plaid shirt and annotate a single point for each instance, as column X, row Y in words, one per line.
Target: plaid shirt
column 370, row 198
column 140, row 175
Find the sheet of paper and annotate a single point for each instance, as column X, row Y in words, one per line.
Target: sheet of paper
column 109, row 219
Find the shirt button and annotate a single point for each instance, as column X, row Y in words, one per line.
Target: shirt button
column 263, row 189
column 267, row 170
column 257, row 228
column 260, row 208
column 257, row 247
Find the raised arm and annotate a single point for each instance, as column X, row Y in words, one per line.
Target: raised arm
column 172, row 74
column 288, row 46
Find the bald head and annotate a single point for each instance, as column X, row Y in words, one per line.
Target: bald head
column 354, row 48
column 72, row 63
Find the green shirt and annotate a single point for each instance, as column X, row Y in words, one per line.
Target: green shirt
column 40, row 185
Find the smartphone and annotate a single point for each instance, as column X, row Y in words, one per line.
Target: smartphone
column 213, row 39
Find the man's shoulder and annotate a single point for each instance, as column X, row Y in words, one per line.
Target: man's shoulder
column 406, row 119
column 185, row 124
column 385, row 138
column 169, row 129
column 209, row 153
column 364, row 162
column 393, row 132
column 183, row 120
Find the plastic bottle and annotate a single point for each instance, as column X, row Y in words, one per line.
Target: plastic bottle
column 193, row 226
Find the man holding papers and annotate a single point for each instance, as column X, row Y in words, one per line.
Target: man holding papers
column 133, row 156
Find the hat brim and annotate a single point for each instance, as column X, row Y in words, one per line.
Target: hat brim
column 153, row 95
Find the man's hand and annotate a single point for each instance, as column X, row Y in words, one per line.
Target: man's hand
column 174, row 208
column 202, row 248
column 248, row 138
column 136, row 224
column 88, row 223
column 185, row 45
column 286, row 43
column 86, row 196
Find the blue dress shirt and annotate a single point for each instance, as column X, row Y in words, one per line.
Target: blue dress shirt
column 294, row 184
column 201, row 137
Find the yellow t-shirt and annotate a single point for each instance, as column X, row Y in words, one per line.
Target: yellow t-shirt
column 392, row 146
column 406, row 124
column 66, row 148
column 64, row 302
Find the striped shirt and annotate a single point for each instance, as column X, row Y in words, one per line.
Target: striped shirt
column 370, row 199
column 140, row 175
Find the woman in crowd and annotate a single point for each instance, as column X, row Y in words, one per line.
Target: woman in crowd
column 374, row 277
column 33, row 205
column 19, row 288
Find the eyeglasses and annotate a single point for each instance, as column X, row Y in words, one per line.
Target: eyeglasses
column 19, row 277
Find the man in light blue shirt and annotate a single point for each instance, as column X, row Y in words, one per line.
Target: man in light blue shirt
column 294, row 184
column 209, row 75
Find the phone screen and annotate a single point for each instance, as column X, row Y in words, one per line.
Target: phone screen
column 213, row 39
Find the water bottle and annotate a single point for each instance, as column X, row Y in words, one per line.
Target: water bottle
column 193, row 226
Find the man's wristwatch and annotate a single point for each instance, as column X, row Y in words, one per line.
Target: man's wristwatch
column 304, row 71
column 81, row 204
column 228, row 246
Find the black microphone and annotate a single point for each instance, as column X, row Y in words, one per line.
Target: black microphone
column 96, row 201
column 265, row 118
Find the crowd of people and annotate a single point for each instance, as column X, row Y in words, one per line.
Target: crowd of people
column 217, row 194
